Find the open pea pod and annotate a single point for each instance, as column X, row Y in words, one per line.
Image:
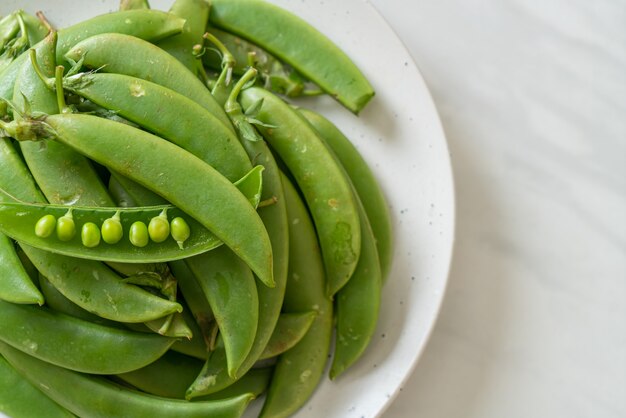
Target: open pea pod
column 18, row 221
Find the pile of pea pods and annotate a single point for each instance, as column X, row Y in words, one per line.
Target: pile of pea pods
column 176, row 238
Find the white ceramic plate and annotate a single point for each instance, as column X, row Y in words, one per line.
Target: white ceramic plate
column 400, row 135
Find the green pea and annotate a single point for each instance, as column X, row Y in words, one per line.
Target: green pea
column 45, row 226
column 138, row 234
column 180, row 231
column 112, row 231
column 159, row 227
column 90, row 235
column 66, row 229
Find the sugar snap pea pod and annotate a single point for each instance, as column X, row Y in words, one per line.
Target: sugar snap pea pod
column 364, row 182
column 178, row 176
column 299, row 370
column 18, row 221
column 15, row 283
column 108, row 297
column 171, row 374
column 19, row 398
column 214, row 376
column 140, row 101
column 134, row 4
column 98, row 398
column 15, row 46
column 64, row 175
column 120, row 195
column 297, row 43
column 196, row 15
column 94, row 348
column 150, row 25
column 102, row 51
column 229, row 286
column 290, row 329
column 196, row 300
column 326, row 189
column 358, row 304
column 36, row 28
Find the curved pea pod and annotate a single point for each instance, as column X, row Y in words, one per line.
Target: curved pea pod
column 299, row 370
column 19, row 398
column 178, row 176
column 15, row 283
column 151, row 25
column 171, row 374
column 326, row 189
column 98, row 398
column 290, row 329
column 229, row 286
column 141, row 102
column 358, row 304
column 364, row 183
column 102, row 51
column 108, row 296
column 214, row 375
column 181, row 46
column 297, row 43
column 94, row 348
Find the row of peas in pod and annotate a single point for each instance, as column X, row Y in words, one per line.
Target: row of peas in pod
column 176, row 238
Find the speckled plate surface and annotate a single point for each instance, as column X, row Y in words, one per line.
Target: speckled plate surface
column 400, row 135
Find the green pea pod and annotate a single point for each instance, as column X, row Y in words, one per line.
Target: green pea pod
column 171, row 374
column 9, row 27
column 228, row 285
column 358, row 302
column 297, row 43
column 214, row 376
column 19, row 398
column 181, row 46
column 183, row 179
column 108, row 297
column 196, row 300
column 134, row 4
column 290, row 329
column 120, row 195
column 364, row 182
column 102, row 51
column 35, row 28
column 151, row 25
column 195, row 346
column 95, row 348
column 326, row 189
column 141, row 102
column 15, row 283
column 299, row 370
column 18, row 220
column 98, row 398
